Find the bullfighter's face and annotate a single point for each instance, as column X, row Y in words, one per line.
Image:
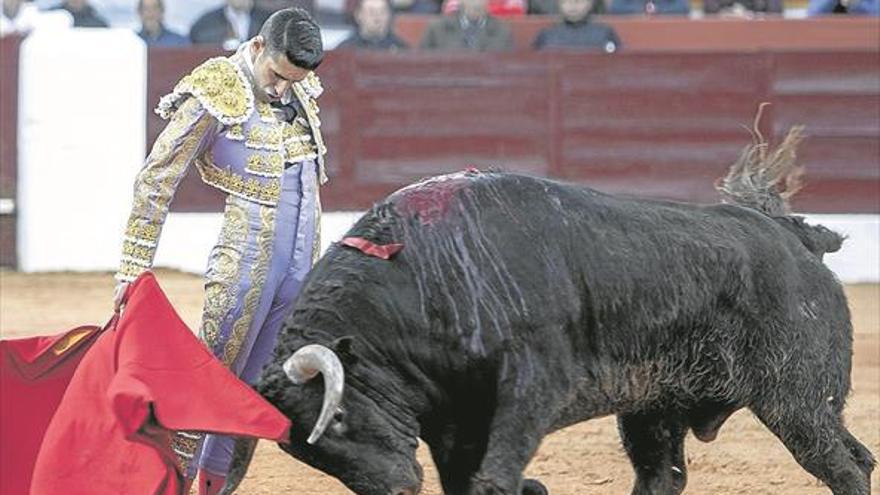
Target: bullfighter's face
column 365, row 445
column 274, row 75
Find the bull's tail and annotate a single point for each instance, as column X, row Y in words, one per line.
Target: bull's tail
column 764, row 178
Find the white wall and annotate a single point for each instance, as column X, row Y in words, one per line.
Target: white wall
column 82, row 101
column 858, row 261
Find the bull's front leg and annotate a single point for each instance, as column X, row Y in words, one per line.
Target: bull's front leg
column 513, row 440
column 519, row 424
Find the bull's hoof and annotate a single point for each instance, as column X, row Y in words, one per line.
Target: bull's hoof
column 533, row 487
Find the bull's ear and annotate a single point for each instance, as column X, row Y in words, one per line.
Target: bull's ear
column 344, row 348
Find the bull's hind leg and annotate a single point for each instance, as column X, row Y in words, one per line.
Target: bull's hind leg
column 654, row 442
column 820, row 443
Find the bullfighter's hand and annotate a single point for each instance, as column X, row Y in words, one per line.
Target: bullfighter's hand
column 118, row 295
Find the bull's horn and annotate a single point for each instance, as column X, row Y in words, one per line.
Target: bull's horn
column 307, row 362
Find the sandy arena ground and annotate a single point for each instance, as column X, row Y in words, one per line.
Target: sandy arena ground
column 585, row 459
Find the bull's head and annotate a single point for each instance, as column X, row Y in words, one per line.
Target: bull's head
column 352, row 437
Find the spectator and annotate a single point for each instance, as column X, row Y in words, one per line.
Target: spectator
column 374, row 27
column 500, row 8
column 153, row 30
column 230, row 25
column 577, row 30
column 551, row 7
column 471, row 28
column 855, row 7
column 272, row 6
column 650, row 7
column 416, row 6
column 84, row 15
column 18, row 17
column 742, row 8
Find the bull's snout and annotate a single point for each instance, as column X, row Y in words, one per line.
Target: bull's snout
column 413, row 490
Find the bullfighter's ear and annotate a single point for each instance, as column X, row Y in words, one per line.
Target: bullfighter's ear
column 344, row 348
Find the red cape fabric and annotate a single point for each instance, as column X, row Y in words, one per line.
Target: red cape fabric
column 111, row 432
column 34, row 374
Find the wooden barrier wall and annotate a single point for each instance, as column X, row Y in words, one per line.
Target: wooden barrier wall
column 664, row 125
column 8, row 145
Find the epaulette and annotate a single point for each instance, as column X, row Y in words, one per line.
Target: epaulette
column 311, row 84
column 220, row 86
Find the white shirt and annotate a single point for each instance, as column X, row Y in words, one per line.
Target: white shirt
column 29, row 18
column 240, row 22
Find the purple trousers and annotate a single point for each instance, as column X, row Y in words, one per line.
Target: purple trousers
column 254, row 274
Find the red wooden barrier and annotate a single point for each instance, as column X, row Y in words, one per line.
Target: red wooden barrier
column 8, row 144
column 657, row 124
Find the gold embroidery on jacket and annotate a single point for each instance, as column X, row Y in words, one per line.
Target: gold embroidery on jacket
column 175, row 148
column 235, row 133
column 265, row 137
column 220, row 86
column 251, row 189
column 265, row 111
column 265, row 165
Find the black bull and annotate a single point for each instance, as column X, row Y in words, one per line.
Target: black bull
column 519, row 306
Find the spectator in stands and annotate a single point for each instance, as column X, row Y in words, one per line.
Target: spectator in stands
column 551, row 7
column 499, row 8
column 577, row 30
column 20, row 17
column 416, row 6
column 153, row 30
column 855, row 7
column 650, row 7
column 230, row 25
column 84, row 15
column 374, row 27
column 271, row 6
column 742, row 8
column 471, row 28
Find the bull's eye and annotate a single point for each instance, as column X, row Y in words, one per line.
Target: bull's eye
column 339, row 427
column 339, row 415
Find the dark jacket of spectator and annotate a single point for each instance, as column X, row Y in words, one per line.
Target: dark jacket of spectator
column 213, row 27
column 391, row 42
column 87, row 16
column 855, row 7
column 581, row 34
column 661, row 7
column 416, row 6
column 457, row 32
column 551, row 7
column 721, row 6
column 166, row 37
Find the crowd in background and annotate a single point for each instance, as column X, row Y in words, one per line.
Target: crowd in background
column 478, row 25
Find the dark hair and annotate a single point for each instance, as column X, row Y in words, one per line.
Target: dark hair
column 294, row 33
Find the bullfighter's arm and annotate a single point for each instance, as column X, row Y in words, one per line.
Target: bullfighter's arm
column 187, row 135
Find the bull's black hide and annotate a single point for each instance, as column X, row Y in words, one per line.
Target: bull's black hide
column 519, row 306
